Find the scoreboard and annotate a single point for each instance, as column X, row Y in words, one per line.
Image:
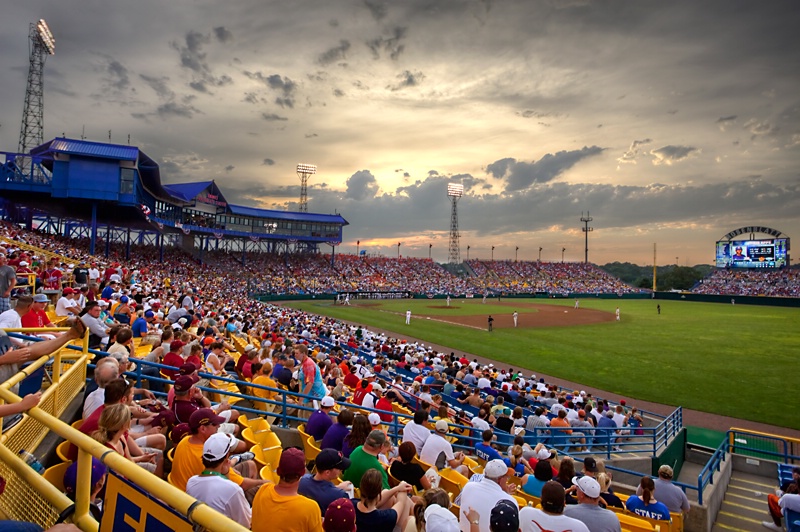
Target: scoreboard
column 770, row 253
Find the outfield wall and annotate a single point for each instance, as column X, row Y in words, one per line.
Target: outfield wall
column 739, row 300
column 667, row 296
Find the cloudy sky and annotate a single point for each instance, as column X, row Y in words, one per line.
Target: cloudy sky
column 670, row 122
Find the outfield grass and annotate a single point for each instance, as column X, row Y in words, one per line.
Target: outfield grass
column 738, row 361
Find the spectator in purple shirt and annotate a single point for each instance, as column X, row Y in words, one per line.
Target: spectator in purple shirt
column 336, row 434
column 320, row 420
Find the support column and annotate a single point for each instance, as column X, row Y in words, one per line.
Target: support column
column 109, row 229
column 160, row 238
column 93, row 237
column 128, row 245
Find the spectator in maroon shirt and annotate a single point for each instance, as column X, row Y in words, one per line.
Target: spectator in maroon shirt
column 174, row 359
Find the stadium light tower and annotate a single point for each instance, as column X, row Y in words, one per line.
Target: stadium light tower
column 303, row 171
column 586, row 229
column 454, row 192
column 31, row 133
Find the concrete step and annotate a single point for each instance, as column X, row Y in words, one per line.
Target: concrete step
column 745, row 504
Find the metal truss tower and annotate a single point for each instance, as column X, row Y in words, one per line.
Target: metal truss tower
column 303, row 171
column 586, row 229
column 31, row 133
column 454, row 192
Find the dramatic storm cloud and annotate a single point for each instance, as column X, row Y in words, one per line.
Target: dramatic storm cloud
column 665, row 128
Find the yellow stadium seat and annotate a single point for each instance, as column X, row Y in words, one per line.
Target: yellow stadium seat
column 263, row 438
column 677, row 522
column 169, row 479
column 521, row 501
column 311, row 449
column 452, row 481
column 62, row 450
column 667, row 525
column 266, row 473
column 530, row 499
column 635, row 524
column 77, row 424
column 55, row 474
column 267, row 455
column 257, row 424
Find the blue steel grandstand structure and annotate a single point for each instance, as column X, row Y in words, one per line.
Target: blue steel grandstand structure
column 112, row 192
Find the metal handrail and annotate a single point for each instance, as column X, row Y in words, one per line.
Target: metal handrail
column 198, row 513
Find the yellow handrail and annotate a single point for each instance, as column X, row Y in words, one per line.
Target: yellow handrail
column 196, row 512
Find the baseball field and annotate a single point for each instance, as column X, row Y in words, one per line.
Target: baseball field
column 734, row 360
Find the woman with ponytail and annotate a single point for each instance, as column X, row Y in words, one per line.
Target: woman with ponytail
column 646, row 505
column 112, row 431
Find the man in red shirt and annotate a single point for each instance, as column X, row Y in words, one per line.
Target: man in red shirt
column 37, row 317
column 51, row 276
column 385, row 403
column 173, row 358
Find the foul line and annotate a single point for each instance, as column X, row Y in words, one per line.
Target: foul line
column 402, row 314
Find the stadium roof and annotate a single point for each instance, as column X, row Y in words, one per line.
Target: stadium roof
column 187, row 191
column 286, row 215
column 88, row 148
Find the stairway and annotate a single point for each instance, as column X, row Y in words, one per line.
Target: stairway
column 745, row 503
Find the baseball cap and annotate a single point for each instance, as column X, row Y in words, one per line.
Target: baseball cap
column 188, row 369
column 292, row 463
column 102, row 302
column 329, row 459
column 340, row 516
column 204, row 416
column 589, row 486
column 217, row 446
column 327, row 401
column 581, row 413
column 665, row 471
column 149, row 314
column 183, row 383
column 67, row 291
column 208, row 340
column 23, row 263
column 442, row 426
column 40, row 298
column 374, row 419
column 71, row 475
column 590, row 464
column 175, row 345
column 249, row 347
column 376, row 438
column 504, row 517
column 553, row 497
column 440, row 519
column 179, row 431
column 543, row 454
column 495, row 469
column 124, row 299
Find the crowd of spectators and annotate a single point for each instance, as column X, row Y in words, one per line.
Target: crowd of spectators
column 743, row 282
column 193, row 310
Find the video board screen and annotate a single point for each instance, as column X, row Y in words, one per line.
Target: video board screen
column 770, row 253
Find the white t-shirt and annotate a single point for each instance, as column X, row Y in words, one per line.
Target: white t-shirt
column 10, row 319
column 66, row 307
column 222, row 495
column 434, row 448
column 482, row 497
column 416, row 434
column 483, row 382
column 94, row 401
column 546, row 521
column 369, row 400
column 480, row 424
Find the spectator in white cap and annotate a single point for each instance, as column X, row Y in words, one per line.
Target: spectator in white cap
column 483, row 496
column 587, row 510
column 551, row 515
column 212, row 485
column 438, row 451
column 433, row 513
column 320, row 420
